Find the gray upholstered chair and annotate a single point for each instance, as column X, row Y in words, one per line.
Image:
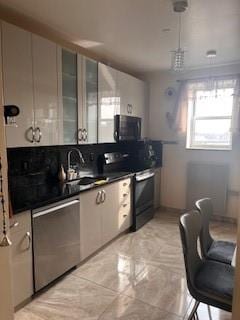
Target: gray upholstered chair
column 210, row 282
column 221, row 251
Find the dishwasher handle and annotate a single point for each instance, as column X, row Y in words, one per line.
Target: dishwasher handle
column 52, row 209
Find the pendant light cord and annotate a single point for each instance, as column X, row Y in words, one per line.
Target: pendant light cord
column 179, row 30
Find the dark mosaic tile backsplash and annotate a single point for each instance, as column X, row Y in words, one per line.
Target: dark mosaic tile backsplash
column 39, row 165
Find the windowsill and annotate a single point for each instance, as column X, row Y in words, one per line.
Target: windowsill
column 209, row 148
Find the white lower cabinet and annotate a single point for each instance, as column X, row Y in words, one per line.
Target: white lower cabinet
column 105, row 212
column 21, row 252
column 90, row 223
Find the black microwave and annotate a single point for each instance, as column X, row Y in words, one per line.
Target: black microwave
column 127, row 128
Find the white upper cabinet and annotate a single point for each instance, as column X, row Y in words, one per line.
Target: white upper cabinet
column 30, row 82
column 78, row 98
column 63, row 97
column 108, row 102
column 18, row 83
column 45, row 83
column 68, row 78
column 132, row 95
column 89, row 111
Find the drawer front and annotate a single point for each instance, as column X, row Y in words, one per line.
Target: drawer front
column 125, row 186
column 125, row 217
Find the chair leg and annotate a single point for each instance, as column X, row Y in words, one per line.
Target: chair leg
column 194, row 310
column 209, row 313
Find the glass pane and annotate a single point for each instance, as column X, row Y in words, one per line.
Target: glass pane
column 214, row 102
column 212, row 132
column 69, row 91
column 91, row 99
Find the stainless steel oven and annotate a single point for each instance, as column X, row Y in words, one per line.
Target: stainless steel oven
column 143, row 198
column 127, row 128
column 56, row 240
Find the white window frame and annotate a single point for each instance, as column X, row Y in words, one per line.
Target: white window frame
column 191, row 129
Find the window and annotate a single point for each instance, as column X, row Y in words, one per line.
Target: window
column 210, row 114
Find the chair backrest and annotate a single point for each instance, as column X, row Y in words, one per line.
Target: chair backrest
column 206, row 210
column 190, row 227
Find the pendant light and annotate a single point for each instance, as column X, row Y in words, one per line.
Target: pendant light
column 211, row 55
column 178, row 54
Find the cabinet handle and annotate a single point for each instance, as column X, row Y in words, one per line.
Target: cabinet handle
column 98, row 198
column 125, row 204
column 125, row 184
column 129, row 108
column 125, row 194
column 28, row 236
column 103, row 196
column 14, row 224
column 125, row 215
column 80, row 134
column 39, row 134
column 85, row 134
column 33, row 134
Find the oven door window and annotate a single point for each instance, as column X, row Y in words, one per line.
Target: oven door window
column 144, row 195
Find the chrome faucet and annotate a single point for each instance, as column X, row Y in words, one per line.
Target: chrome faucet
column 69, row 157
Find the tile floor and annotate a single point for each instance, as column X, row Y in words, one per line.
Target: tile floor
column 139, row 276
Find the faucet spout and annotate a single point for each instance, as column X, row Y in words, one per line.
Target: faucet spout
column 79, row 154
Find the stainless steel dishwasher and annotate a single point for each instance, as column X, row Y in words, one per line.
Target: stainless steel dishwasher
column 56, row 240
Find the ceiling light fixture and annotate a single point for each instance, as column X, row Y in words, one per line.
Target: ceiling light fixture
column 211, row 54
column 178, row 54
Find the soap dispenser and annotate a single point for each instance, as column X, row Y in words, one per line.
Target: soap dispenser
column 61, row 174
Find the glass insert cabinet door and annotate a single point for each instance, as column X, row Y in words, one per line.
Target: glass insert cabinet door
column 79, row 98
column 69, row 97
column 89, row 116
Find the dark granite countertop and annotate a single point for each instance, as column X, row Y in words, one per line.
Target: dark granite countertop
column 36, row 196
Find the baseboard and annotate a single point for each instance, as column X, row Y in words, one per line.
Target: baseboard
column 172, row 210
column 224, row 219
column 214, row 217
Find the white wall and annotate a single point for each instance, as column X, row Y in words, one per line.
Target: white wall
column 176, row 157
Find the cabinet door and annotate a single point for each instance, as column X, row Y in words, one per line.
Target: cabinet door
column 21, row 251
column 89, row 112
column 45, row 83
column 90, row 223
column 69, row 96
column 108, row 102
column 18, row 83
column 109, row 209
column 123, row 92
column 140, row 104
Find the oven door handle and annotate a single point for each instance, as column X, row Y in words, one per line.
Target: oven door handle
column 52, row 209
column 145, row 176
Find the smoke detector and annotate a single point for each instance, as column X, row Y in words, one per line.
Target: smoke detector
column 180, row 5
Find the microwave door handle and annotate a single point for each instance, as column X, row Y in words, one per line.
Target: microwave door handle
column 138, row 129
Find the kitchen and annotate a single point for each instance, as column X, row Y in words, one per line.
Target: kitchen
column 90, row 165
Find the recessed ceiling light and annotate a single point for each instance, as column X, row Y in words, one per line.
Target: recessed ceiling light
column 88, row 43
column 166, row 29
column 211, row 53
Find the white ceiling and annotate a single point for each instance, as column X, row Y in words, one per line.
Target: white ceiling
column 130, row 31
